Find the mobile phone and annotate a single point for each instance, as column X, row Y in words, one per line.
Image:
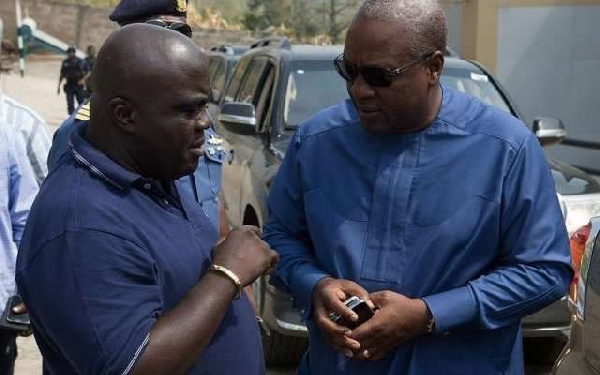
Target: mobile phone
column 360, row 307
column 10, row 320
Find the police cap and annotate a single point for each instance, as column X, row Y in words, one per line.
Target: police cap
column 132, row 10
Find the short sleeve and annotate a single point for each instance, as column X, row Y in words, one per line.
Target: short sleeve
column 95, row 297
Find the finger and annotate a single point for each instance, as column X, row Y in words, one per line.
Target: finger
column 19, row 309
column 335, row 303
column 379, row 298
column 367, row 333
column 377, row 352
column 353, row 289
column 336, row 334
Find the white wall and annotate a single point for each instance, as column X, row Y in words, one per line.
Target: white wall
column 549, row 60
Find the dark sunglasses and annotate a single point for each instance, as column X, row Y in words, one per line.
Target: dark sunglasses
column 375, row 76
column 181, row 27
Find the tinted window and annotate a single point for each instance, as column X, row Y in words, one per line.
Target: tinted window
column 218, row 82
column 311, row 86
column 236, row 80
column 213, row 64
column 475, row 84
column 256, row 71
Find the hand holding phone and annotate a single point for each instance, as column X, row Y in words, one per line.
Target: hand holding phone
column 11, row 320
column 360, row 308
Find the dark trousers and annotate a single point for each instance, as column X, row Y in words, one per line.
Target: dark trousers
column 8, row 351
column 74, row 92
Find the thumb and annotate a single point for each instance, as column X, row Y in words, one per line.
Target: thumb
column 378, row 298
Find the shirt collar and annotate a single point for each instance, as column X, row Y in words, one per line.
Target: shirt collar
column 98, row 163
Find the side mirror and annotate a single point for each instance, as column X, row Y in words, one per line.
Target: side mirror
column 549, row 130
column 238, row 117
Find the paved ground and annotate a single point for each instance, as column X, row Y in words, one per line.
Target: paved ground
column 38, row 90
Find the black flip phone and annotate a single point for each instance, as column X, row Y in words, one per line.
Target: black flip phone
column 10, row 320
column 361, row 309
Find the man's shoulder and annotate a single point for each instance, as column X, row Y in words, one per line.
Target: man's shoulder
column 478, row 118
column 337, row 117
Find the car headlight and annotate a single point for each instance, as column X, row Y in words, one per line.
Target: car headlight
column 578, row 213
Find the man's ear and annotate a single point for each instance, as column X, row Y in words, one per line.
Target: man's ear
column 435, row 67
column 122, row 114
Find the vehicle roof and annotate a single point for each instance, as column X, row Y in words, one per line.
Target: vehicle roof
column 310, row 52
column 455, row 63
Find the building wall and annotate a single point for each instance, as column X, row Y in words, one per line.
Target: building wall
column 547, row 54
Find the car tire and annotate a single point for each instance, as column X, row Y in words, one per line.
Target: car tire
column 283, row 351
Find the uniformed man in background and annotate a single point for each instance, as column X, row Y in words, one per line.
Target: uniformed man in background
column 72, row 70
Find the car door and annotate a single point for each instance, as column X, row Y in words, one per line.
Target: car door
column 241, row 147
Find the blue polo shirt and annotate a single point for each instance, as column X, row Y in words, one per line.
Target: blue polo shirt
column 105, row 253
column 203, row 185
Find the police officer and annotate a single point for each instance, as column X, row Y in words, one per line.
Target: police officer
column 205, row 183
column 73, row 71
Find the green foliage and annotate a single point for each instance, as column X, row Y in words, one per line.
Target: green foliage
column 306, row 18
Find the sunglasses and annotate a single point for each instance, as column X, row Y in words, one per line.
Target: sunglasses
column 375, row 76
column 180, row 27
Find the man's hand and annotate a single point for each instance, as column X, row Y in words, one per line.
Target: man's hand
column 398, row 320
column 245, row 254
column 20, row 309
column 328, row 297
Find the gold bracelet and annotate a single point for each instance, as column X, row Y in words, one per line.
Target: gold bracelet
column 231, row 275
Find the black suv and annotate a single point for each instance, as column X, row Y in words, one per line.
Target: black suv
column 277, row 86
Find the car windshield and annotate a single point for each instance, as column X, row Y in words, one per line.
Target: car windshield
column 311, row 86
column 475, row 84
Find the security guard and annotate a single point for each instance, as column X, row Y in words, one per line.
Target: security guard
column 73, row 71
column 204, row 184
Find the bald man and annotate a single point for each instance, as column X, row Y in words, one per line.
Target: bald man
column 119, row 270
column 203, row 184
column 448, row 220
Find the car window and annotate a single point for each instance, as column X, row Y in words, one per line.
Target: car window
column 213, row 64
column 311, row 86
column 236, row 80
column 218, row 81
column 248, row 91
column 475, row 84
column 263, row 104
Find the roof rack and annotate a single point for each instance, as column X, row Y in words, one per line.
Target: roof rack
column 224, row 48
column 272, row 41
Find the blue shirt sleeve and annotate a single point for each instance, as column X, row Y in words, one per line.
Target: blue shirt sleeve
column 111, row 287
column 287, row 233
column 533, row 267
column 23, row 187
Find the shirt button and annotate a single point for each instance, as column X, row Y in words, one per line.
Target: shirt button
column 166, row 202
column 147, row 186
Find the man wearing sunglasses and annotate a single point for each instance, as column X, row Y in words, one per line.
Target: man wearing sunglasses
column 204, row 184
column 436, row 209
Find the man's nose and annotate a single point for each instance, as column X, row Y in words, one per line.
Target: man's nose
column 203, row 121
column 360, row 88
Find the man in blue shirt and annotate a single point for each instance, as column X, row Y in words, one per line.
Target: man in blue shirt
column 118, row 268
column 437, row 208
column 204, row 184
column 18, row 188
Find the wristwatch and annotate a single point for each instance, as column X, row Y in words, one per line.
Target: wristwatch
column 430, row 322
